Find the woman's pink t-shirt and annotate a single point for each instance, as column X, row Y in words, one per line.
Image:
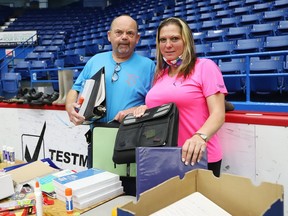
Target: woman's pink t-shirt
column 189, row 95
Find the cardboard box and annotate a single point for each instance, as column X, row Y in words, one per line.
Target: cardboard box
column 7, row 187
column 237, row 195
column 31, row 171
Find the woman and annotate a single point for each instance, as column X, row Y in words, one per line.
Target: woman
column 195, row 85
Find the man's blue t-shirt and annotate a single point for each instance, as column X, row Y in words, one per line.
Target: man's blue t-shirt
column 134, row 81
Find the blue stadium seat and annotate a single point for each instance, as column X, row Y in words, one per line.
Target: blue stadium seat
column 45, row 37
column 262, row 7
column 239, row 11
column 58, row 42
column 23, row 68
column 70, row 46
column 46, row 42
column 10, row 82
column 91, row 48
column 210, row 25
column 142, row 27
column 225, row 13
column 106, row 47
column 149, row 34
column 192, row 11
column 280, row 4
column 207, row 16
column 83, row 61
column 195, row 27
column 251, row 2
column 222, row 48
column 198, row 37
column 74, row 57
column 48, row 57
column 205, row 8
column 229, row 22
column 265, row 85
column 214, row 36
column 78, row 44
column 146, row 43
column 38, row 65
column 249, row 45
column 54, row 49
column 152, row 26
column 272, row 65
column 274, row 16
column 235, row 85
column 286, row 64
column 192, row 18
column 235, row 33
column 153, row 54
column 59, row 63
column 276, row 43
column 263, row 30
column 39, row 49
column 249, row 19
column 145, row 53
column 59, row 37
column 232, row 66
column 282, row 28
column 32, row 56
column 202, row 49
column 220, row 6
column 235, row 4
column 181, row 14
column 180, row 7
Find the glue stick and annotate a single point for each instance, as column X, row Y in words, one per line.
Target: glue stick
column 12, row 155
column 69, row 201
column 39, row 199
column 4, row 154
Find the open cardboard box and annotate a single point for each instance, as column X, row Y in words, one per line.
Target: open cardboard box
column 31, row 171
column 237, row 195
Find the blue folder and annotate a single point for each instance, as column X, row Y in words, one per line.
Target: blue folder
column 158, row 164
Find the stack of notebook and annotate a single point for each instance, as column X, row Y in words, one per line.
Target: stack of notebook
column 89, row 187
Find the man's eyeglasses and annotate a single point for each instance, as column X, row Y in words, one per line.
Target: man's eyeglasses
column 115, row 75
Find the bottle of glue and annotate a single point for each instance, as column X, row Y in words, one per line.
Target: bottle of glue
column 69, row 200
column 39, row 199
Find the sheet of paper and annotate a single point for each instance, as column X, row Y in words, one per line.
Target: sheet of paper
column 195, row 204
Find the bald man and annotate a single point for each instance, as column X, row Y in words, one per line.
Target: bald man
column 128, row 75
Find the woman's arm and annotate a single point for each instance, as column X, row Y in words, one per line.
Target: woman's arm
column 193, row 148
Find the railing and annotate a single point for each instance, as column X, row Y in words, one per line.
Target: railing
column 48, row 70
column 248, row 104
column 8, row 60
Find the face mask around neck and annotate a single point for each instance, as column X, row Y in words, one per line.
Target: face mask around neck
column 174, row 63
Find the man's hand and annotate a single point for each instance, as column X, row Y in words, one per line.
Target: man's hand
column 74, row 117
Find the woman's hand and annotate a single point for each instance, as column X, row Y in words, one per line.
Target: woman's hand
column 139, row 111
column 193, row 150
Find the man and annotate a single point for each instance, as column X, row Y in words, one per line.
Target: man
column 128, row 75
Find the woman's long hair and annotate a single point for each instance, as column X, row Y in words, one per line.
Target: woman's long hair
column 189, row 53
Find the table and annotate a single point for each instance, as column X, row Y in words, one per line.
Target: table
column 59, row 208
